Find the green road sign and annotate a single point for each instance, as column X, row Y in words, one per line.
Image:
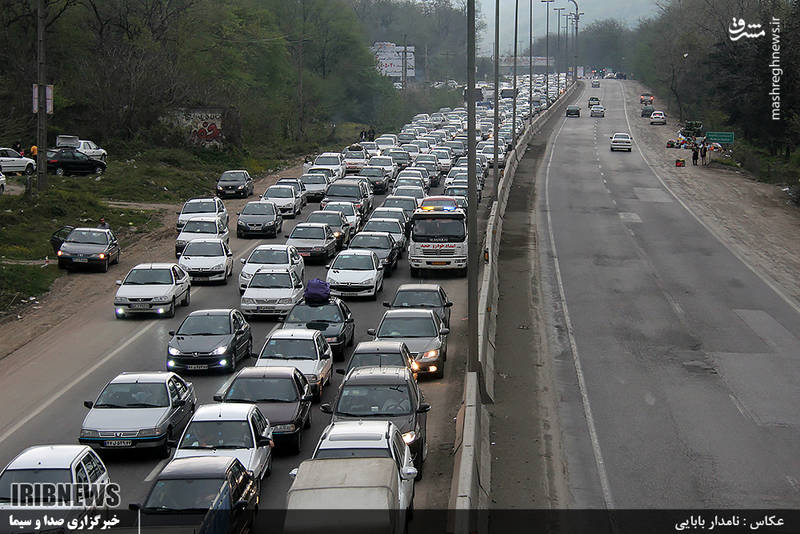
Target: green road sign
column 723, row 138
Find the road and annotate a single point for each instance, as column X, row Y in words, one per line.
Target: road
column 43, row 384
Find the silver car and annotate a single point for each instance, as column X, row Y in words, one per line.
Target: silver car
column 422, row 331
column 139, row 411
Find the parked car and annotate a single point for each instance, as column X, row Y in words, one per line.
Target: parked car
column 202, row 207
column 316, row 184
column 83, row 145
column 428, row 296
column 337, row 222
column 145, row 410
column 261, row 217
column 621, row 141
column 381, row 354
column 422, row 331
column 285, row 197
column 2, row 183
column 210, row 340
column 87, row 247
column 152, row 288
column 235, row 183
column 200, row 228
column 313, row 240
column 283, row 396
column 355, row 273
column 271, row 291
column 332, row 317
column 272, row 256
column 207, row 260
column 302, row 348
column 65, row 161
column 12, row 161
column 382, row 244
column 658, row 117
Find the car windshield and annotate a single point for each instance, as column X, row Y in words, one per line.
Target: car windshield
column 193, row 494
column 367, row 359
column 346, row 209
column 200, row 227
column 621, row 136
column 456, row 191
column 143, row 277
column 383, row 226
column 330, row 218
column 294, row 185
column 374, row 400
column 279, row 192
column 417, row 299
column 410, row 205
column 442, row 154
column 371, row 172
column 353, row 262
column 200, row 207
column 289, row 349
column 406, row 191
column 438, row 230
column 401, row 156
column 398, row 327
column 414, row 182
column 262, row 389
column 232, row 176
column 313, row 179
column 271, row 281
column 26, row 476
column 370, row 242
column 355, row 154
column 381, row 162
column 369, row 145
column 259, row 208
column 327, row 160
column 268, row 256
column 342, row 190
column 308, row 232
column 133, row 395
column 321, row 170
column 203, row 248
column 205, row 325
column 217, row 435
column 88, row 237
column 303, row 313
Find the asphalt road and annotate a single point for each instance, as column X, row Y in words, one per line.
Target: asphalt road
column 675, row 364
column 43, row 385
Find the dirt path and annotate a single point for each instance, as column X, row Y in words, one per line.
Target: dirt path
column 78, row 290
column 755, row 219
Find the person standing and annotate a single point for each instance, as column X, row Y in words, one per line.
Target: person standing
column 103, row 224
column 703, row 153
column 371, row 133
column 695, row 153
column 34, row 151
column 17, row 147
column 362, row 136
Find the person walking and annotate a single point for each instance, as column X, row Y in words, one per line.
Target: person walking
column 695, row 153
column 703, row 153
column 371, row 133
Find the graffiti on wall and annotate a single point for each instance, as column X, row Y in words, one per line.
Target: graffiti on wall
column 203, row 126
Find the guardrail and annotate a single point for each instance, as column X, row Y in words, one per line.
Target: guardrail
column 472, row 470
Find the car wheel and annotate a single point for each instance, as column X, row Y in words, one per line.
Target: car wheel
column 29, row 169
column 116, row 260
column 171, row 312
column 104, row 266
column 165, row 450
column 225, row 277
column 59, row 171
column 99, row 170
column 440, row 370
column 308, row 420
column 298, row 441
column 187, row 298
column 352, row 338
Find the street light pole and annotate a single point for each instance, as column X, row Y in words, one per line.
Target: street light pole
column 558, row 48
column 472, row 201
column 530, row 60
column 514, row 104
column 496, row 134
column 41, row 111
column 575, row 41
column 547, row 51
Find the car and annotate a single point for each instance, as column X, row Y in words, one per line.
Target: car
column 438, row 203
column 83, row 145
column 422, row 331
column 299, row 188
column 235, row 430
column 410, row 178
column 186, row 490
column 355, row 158
column 444, row 157
column 142, row 410
column 328, row 172
column 400, row 157
column 381, row 354
column 573, row 111
column 389, row 393
column 303, row 348
column 597, row 111
column 393, row 226
column 273, row 256
column 235, row 183
column 386, row 163
column 333, row 161
column 313, row 240
column 259, row 217
column 415, row 192
column 456, row 191
column 89, row 247
column 285, row 197
column 355, row 273
column 428, row 296
column 316, row 184
column 406, row 203
column 12, row 161
column 337, row 222
column 152, row 288
column 647, row 110
column 283, row 396
column 384, row 142
column 392, row 213
column 433, row 172
column 488, row 151
column 207, row 260
column 332, row 317
column 271, row 291
column 413, row 150
column 459, row 148
column 593, row 101
column 2, row 183
column 646, row 98
column 350, row 190
column 377, row 176
column 349, row 211
column 658, row 117
column 202, row 207
column 65, row 161
column 621, row 141
column 200, row 228
column 215, row 339
column 383, row 244
column 371, row 147
column 595, row 83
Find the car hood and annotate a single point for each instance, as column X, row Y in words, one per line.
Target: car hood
column 183, row 217
column 82, row 248
column 128, row 291
column 330, row 330
column 404, row 423
column 418, row 344
column 260, row 219
column 315, row 187
column 243, row 455
column 189, row 236
column 279, row 413
column 382, row 253
column 267, row 293
column 307, row 367
column 199, row 343
column 251, row 268
column 194, row 262
column 124, row 418
column 352, row 277
column 280, row 201
column 305, row 243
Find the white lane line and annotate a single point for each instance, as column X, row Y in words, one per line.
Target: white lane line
column 764, row 278
column 156, row 470
column 45, row 405
column 587, row 409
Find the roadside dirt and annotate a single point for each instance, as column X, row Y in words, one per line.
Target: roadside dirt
column 756, row 219
column 79, row 290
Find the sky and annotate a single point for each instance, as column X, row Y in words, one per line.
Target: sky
column 630, row 11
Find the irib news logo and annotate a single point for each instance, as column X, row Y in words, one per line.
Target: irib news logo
column 64, row 495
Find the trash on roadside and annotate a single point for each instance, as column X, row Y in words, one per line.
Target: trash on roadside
column 680, row 163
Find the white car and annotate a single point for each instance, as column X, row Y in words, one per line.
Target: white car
column 207, row 260
column 386, row 163
column 271, row 256
column 355, row 158
column 333, row 161
column 621, row 141
column 658, row 117
column 152, row 288
column 92, row 150
column 2, row 183
column 488, row 151
column 349, row 211
column 597, row 111
column 445, row 158
column 237, row 430
column 201, row 228
column 303, row 349
column 285, row 197
column 371, row 147
column 11, row 161
column 202, row 207
column 385, row 143
column 316, row 184
column 355, row 273
column 271, row 291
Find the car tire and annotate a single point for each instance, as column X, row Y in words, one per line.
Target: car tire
column 307, row 424
column 165, row 450
column 29, row 169
column 298, row 442
column 104, row 266
column 187, row 299
column 116, row 260
column 59, row 171
column 239, row 234
column 171, row 312
column 440, row 370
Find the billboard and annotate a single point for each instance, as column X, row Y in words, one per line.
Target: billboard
column 389, row 58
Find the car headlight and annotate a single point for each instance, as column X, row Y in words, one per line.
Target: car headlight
column 337, row 234
column 165, row 298
column 284, row 428
column 240, row 187
column 242, row 224
column 86, row 433
column 174, row 351
column 285, row 300
column 120, row 300
column 246, row 275
column 220, row 350
column 149, row 432
column 409, row 437
column 248, row 301
column 430, row 355
column 180, row 243
column 332, row 339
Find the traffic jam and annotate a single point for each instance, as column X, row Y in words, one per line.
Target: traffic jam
column 375, row 209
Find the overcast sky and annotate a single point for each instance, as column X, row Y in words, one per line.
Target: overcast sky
column 629, row 11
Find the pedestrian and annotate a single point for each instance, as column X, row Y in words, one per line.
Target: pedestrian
column 103, row 224
column 371, row 133
column 363, row 136
column 34, row 151
column 695, row 153
column 17, row 147
column 703, row 153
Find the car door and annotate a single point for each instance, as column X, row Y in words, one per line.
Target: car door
column 184, row 413
column 228, row 258
column 177, row 413
column 222, row 213
column 81, row 163
column 242, row 334
column 445, row 307
column 297, row 262
column 297, row 287
column 6, row 163
column 330, row 241
column 325, row 355
column 237, row 486
column 58, row 237
column 114, row 249
column 181, row 282
column 260, row 428
column 349, row 322
column 222, row 232
column 303, row 390
column 376, row 263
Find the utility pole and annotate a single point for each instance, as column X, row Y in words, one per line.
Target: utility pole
column 405, row 62
column 41, row 108
column 575, row 41
column 547, row 50
column 514, row 104
column 558, row 48
column 496, row 169
column 570, row 19
column 530, row 59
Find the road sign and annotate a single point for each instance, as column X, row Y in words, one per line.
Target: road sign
column 723, row 138
column 48, row 95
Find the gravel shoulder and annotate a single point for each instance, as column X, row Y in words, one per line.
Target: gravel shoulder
column 754, row 219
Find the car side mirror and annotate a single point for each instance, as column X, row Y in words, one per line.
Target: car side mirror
column 240, row 506
column 178, row 254
column 324, row 356
column 326, row 407
column 424, row 407
column 180, row 402
column 371, row 331
column 88, row 404
column 238, row 213
column 119, row 282
column 387, row 304
column 307, row 397
column 263, row 441
column 243, row 261
column 230, row 254
column 408, row 473
column 328, row 266
column 380, row 267
column 134, row 507
column 177, row 213
column 444, row 331
column 448, row 304
column 293, row 473
column 218, row 397
column 171, row 332
column 349, row 320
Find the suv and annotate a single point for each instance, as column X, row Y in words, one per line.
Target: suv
column 355, row 191
column 202, row 207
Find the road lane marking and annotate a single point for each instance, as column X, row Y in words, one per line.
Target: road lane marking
column 587, row 409
column 156, row 470
column 630, row 217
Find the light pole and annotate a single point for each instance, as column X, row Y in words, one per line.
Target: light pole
column 514, row 102
column 547, row 50
column 558, row 47
column 575, row 41
column 566, row 48
column 530, row 60
column 496, row 170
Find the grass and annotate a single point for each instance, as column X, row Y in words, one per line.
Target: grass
column 18, row 283
column 765, row 167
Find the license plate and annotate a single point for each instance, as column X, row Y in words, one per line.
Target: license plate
column 140, row 306
column 438, row 263
column 349, row 293
column 80, row 260
column 119, row 443
column 199, row 367
column 264, row 309
column 200, row 278
column 305, row 254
